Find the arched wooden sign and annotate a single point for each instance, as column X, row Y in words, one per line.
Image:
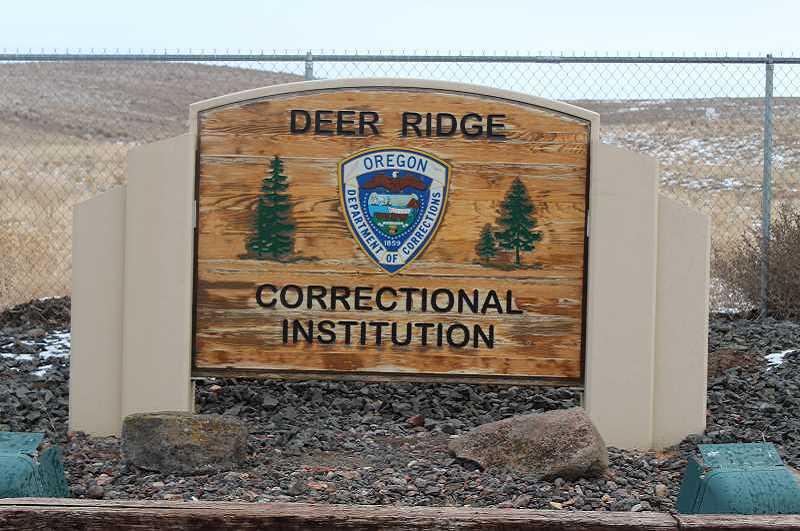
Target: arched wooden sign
column 391, row 228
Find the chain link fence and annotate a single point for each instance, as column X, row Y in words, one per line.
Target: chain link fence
column 67, row 121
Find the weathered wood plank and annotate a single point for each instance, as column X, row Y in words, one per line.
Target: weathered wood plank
column 228, row 210
column 60, row 513
column 265, row 374
column 83, row 514
column 217, row 355
column 221, row 270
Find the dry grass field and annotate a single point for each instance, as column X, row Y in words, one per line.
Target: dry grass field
column 64, row 132
column 711, row 157
column 65, row 129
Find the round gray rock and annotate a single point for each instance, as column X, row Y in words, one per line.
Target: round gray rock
column 560, row 443
column 183, row 443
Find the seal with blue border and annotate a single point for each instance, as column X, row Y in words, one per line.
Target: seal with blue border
column 393, row 200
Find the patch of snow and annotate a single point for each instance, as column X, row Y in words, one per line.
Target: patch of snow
column 731, row 183
column 717, row 151
column 21, row 357
column 777, row 358
column 57, row 344
column 728, row 310
column 53, row 345
column 41, row 370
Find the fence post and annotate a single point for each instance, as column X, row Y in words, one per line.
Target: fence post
column 766, row 185
column 309, row 66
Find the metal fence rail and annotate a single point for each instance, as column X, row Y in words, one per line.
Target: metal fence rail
column 726, row 131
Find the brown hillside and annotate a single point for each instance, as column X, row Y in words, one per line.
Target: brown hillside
column 126, row 101
column 65, row 129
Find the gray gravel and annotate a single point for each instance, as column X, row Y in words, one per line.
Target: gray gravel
column 34, row 364
column 756, row 404
column 767, row 336
column 353, row 443
column 341, row 442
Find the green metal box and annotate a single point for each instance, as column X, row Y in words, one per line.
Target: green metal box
column 24, row 473
column 739, row 479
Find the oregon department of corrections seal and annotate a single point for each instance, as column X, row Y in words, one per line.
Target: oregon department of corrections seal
column 393, row 200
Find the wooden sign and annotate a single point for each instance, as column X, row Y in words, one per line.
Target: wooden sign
column 391, row 231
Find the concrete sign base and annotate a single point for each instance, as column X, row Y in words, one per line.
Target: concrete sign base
column 647, row 297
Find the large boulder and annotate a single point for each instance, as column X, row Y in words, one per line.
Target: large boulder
column 560, row 443
column 183, row 443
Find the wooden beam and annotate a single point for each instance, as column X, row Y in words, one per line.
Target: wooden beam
column 63, row 514
column 261, row 374
column 66, row 514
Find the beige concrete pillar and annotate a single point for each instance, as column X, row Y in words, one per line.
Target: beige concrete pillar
column 620, row 328
column 684, row 242
column 98, row 245
column 159, row 241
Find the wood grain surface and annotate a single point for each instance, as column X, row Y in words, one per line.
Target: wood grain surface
column 54, row 514
column 546, row 150
column 61, row 513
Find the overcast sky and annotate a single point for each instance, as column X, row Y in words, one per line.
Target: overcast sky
column 628, row 26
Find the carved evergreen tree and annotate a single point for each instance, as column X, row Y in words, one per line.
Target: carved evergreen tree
column 516, row 221
column 272, row 235
column 487, row 245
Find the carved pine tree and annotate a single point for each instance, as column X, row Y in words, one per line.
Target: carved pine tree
column 517, row 222
column 272, row 237
column 487, row 245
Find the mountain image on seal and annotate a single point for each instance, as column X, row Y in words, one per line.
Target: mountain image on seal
column 393, row 201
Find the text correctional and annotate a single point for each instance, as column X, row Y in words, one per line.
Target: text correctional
column 386, row 299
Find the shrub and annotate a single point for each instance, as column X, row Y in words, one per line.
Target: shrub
column 740, row 266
